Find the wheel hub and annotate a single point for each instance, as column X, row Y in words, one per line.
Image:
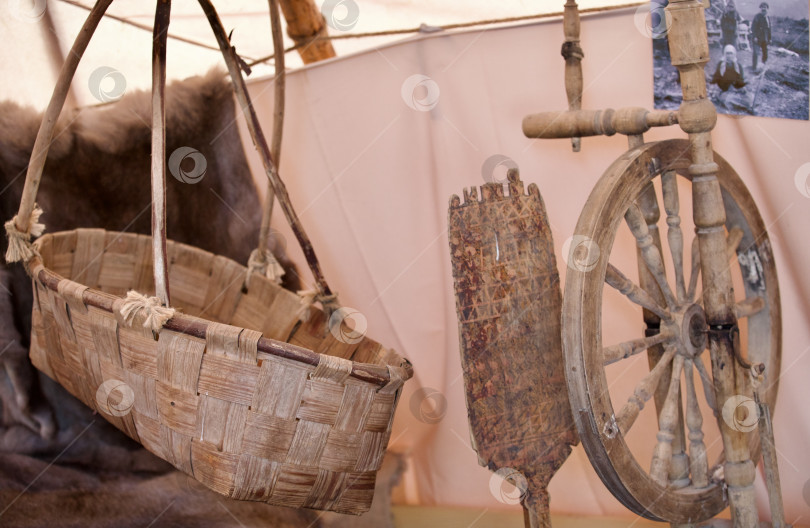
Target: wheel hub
column 689, row 326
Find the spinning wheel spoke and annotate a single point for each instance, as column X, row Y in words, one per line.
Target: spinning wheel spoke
column 698, row 465
column 708, row 386
column 612, row 354
column 674, row 234
column 643, row 392
column 695, row 273
column 619, row 281
column 748, row 307
column 649, row 252
column 667, row 421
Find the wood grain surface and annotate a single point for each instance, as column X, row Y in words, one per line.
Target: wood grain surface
column 509, row 303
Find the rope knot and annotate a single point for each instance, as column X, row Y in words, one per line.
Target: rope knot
column 154, row 314
column 309, row 297
column 19, row 241
column 264, row 263
column 572, row 50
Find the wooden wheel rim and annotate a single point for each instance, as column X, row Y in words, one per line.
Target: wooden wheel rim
column 585, row 374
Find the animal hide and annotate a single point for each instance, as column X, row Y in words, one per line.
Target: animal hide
column 59, row 464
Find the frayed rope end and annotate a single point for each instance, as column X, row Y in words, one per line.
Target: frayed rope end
column 310, row 297
column 267, row 266
column 19, row 242
column 153, row 312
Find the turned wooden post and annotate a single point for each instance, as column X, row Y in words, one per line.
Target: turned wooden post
column 573, row 55
column 689, row 49
column 648, row 203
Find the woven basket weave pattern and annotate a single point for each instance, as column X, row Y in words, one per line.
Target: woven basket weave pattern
column 247, row 424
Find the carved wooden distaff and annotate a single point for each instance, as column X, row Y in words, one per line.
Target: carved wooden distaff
column 508, row 302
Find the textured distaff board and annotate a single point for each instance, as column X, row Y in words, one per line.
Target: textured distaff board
column 509, row 303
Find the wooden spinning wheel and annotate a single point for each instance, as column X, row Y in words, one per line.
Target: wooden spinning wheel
column 687, row 328
column 677, row 485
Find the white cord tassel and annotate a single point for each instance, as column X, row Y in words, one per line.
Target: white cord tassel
column 269, row 266
column 19, row 242
column 138, row 305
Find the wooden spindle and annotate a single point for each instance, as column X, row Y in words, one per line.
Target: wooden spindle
column 667, row 421
column 650, row 253
column 625, row 286
column 698, row 464
column 648, row 204
column 643, row 392
column 669, row 186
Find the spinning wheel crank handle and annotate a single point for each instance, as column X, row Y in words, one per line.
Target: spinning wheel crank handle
column 573, row 55
column 581, row 123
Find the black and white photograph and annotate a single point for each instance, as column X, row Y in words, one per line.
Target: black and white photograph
column 758, row 58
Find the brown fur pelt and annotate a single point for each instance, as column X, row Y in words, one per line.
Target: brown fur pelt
column 59, row 464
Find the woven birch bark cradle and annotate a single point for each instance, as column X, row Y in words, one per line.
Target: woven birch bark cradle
column 246, row 386
column 249, row 417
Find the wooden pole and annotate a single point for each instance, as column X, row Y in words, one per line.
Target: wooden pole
column 305, row 24
column 159, row 253
column 278, row 124
column 689, row 49
column 45, row 134
column 260, row 143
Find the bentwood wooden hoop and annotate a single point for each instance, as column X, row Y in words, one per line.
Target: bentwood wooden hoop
column 251, row 390
column 602, row 426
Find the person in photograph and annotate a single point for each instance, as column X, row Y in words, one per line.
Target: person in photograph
column 761, row 34
column 728, row 72
column 728, row 24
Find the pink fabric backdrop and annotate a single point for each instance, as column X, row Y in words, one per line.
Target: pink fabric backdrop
column 371, row 178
